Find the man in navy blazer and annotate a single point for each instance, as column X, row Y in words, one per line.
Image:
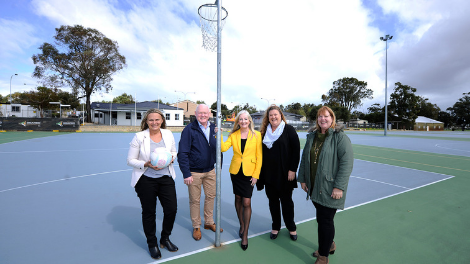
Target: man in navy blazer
column 197, row 158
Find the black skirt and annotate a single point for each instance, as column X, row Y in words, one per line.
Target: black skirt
column 241, row 184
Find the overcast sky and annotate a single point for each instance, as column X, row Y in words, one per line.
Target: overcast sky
column 282, row 51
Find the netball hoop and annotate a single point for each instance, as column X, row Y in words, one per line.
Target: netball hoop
column 208, row 19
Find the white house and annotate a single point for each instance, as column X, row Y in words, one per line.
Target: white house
column 18, row 110
column 132, row 114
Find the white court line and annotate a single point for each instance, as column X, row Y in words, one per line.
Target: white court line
column 71, row 178
column 313, row 218
column 437, row 145
column 379, row 182
column 46, row 151
column 65, row 179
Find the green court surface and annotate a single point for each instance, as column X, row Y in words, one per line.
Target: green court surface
column 6, row 137
column 426, row 225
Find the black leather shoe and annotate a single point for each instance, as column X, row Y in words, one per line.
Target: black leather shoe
column 155, row 252
column 166, row 243
column 273, row 236
column 240, row 235
column 293, row 237
column 244, row 247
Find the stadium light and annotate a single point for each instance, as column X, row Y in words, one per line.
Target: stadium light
column 268, row 100
column 387, row 37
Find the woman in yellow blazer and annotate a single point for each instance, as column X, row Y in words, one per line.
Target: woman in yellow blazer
column 244, row 168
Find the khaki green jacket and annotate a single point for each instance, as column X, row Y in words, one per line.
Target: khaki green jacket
column 335, row 165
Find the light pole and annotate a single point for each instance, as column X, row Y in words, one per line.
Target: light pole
column 268, row 100
column 10, row 86
column 387, row 37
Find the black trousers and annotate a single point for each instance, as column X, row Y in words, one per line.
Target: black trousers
column 326, row 228
column 148, row 190
column 285, row 196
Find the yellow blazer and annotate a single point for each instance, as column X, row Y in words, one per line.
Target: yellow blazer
column 252, row 156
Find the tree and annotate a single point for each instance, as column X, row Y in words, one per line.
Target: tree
column 460, row 111
column 347, row 92
column 294, row 108
column 223, row 109
column 41, row 98
column 125, row 99
column 200, row 102
column 427, row 109
column 404, row 103
column 446, row 118
column 375, row 114
column 312, row 115
column 83, row 58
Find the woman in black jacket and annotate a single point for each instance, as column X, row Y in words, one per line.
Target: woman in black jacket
column 281, row 155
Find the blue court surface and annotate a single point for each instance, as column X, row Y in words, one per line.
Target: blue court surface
column 68, row 199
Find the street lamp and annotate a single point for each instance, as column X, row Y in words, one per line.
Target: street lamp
column 10, row 86
column 268, row 100
column 387, row 37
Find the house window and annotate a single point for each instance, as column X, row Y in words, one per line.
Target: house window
column 98, row 115
column 128, row 115
column 15, row 109
column 114, row 114
column 177, row 116
column 167, row 116
column 139, row 115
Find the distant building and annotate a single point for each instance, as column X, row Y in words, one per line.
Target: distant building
column 18, row 110
column 132, row 114
column 427, row 124
column 189, row 108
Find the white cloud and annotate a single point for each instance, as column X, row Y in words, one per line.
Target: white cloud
column 275, row 50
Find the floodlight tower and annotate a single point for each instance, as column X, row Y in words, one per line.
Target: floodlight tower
column 387, row 37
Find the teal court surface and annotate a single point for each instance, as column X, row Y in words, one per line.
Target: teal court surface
column 66, row 198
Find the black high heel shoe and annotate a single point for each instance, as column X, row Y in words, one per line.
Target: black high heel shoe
column 244, row 247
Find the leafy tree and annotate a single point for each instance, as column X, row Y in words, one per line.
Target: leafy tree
column 427, row 109
column 223, row 109
column 376, row 113
column 40, row 97
column 446, row 118
column 200, row 102
column 312, row 115
column 294, row 108
column 83, row 58
column 460, row 111
column 347, row 92
column 404, row 103
column 125, row 99
column 2, row 99
column 69, row 99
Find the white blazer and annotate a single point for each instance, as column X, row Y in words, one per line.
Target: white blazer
column 139, row 152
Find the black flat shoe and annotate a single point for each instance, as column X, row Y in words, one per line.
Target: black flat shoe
column 155, row 252
column 293, row 237
column 166, row 243
column 244, row 247
column 273, row 236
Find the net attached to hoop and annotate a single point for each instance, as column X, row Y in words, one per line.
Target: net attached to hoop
column 208, row 19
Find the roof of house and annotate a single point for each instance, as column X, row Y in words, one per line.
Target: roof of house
column 423, row 119
column 141, row 106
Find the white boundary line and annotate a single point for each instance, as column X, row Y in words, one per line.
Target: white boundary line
column 65, row 179
column 313, row 218
column 60, row 150
column 366, row 179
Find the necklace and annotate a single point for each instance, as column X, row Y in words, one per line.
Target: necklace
column 316, row 150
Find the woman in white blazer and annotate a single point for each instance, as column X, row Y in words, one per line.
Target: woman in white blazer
column 151, row 182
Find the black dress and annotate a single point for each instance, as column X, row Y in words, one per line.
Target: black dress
column 241, row 183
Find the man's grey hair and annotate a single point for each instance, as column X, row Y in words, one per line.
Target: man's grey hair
column 197, row 108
